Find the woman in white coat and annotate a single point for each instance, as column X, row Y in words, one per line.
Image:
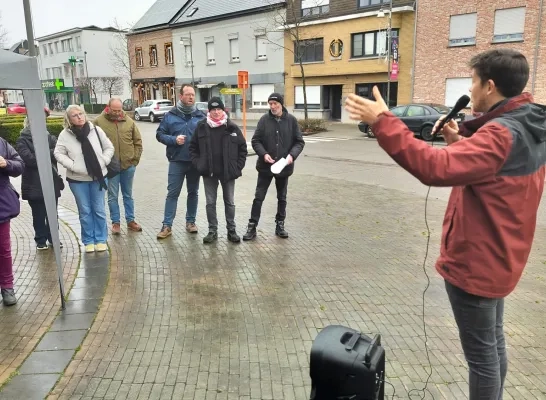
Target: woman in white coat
column 85, row 151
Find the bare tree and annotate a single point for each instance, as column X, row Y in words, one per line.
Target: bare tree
column 291, row 21
column 91, row 84
column 119, row 52
column 3, row 35
column 112, row 85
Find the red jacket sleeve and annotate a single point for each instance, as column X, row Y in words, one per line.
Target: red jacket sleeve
column 469, row 161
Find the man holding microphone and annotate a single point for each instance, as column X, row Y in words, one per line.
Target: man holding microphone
column 175, row 131
column 495, row 164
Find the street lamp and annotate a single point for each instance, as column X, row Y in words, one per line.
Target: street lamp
column 381, row 14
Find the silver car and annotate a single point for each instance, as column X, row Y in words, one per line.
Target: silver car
column 154, row 110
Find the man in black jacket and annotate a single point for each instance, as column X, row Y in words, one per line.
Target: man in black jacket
column 218, row 152
column 31, row 188
column 277, row 136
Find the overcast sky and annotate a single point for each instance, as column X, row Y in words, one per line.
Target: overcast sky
column 50, row 16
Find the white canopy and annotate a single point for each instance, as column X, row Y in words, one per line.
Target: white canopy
column 21, row 72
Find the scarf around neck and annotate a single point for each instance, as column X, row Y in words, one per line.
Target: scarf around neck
column 184, row 109
column 90, row 157
column 215, row 123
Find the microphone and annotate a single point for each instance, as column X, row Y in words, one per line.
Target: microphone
column 459, row 105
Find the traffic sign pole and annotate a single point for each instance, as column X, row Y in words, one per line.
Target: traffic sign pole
column 242, row 83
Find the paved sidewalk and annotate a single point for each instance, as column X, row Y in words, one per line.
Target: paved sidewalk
column 37, row 289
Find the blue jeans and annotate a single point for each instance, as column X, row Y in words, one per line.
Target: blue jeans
column 90, row 201
column 125, row 180
column 178, row 170
column 480, row 322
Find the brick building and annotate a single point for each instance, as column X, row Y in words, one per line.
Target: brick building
column 345, row 50
column 441, row 65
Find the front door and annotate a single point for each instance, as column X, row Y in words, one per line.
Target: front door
column 336, row 101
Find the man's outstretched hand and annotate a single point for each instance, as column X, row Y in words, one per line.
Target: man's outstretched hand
column 368, row 111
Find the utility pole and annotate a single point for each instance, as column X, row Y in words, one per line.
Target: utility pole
column 30, row 30
column 389, row 51
column 191, row 56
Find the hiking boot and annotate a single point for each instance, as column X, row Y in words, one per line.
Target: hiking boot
column 233, row 237
column 166, row 231
column 100, row 247
column 116, row 228
column 250, row 231
column 191, row 227
column 133, row 226
column 8, row 297
column 211, row 237
column 41, row 246
column 279, row 230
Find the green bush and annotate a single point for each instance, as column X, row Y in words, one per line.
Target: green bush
column 312, row 125
column 94, row 108
column 11, row 130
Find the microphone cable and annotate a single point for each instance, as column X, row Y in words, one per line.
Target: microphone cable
column 423, row 392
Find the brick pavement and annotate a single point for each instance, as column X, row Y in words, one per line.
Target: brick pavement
column 37, row 291
column 187, row 321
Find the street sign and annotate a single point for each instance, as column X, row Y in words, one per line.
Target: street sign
column 242, row 79
column 53, row 83
column 231, row 91
column 72, row 60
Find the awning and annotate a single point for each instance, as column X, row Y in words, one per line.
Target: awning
column 206, row 85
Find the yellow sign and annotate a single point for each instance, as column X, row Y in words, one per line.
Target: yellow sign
column 231, row 91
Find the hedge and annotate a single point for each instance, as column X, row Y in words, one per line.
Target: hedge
column 11, row 130
column 94, row 108
column 312, row 125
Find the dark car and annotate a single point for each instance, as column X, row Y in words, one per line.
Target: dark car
column 419, row 117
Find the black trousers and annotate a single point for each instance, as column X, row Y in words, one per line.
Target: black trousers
column 42, row 233
column 264, row 180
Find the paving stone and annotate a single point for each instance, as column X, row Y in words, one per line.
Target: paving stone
column 61, row 340
column 44, row 362
column 29, row 387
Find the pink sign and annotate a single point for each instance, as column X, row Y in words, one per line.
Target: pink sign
column 394, row 71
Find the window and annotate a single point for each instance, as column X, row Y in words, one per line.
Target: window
column 193, row 11
column 57, row 47
column 78, row 42
column 169, row 54
column 48, row 73
column 153, row 55
column 139, row 58
column 455, row 88
column 509, row 25
column 260, row 94
column 50, row 45
column 371, row 3
column 399, row 111
column 261, row 47
column 365, row 90
column 234, row 49
column 45, row 49
column 311, row 8
column 462, row 29
column 309, row 50
column 210, row 53
column 313, row 97
column 66, row 45
column 370, row 44
column 415, row 111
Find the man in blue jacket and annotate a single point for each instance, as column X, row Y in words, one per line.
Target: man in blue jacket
column 176, row 131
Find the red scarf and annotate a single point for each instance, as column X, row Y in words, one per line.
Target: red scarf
column 215, row 123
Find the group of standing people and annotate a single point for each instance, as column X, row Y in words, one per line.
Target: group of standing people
column 102, row 156
column 212, row 146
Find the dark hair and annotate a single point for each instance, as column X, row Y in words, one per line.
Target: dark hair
column 185, row 85
column 508, row 68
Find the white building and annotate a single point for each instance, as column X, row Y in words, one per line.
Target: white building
column 95, row 65
column 227, row 39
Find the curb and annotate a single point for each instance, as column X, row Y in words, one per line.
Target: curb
column 44, row 366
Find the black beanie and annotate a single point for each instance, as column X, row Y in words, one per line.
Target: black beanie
column 276, row 97
column 216, row 102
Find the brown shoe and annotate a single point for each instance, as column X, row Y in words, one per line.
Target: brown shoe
column 165, row 232
column 191, row 227
column 133, row 226
column 116, row 228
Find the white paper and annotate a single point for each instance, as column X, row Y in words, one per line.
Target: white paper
column 279, row 166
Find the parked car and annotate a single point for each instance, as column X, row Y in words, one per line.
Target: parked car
column 19, row 108
column 419, row 117
column 153, row 110
column 129, row 105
